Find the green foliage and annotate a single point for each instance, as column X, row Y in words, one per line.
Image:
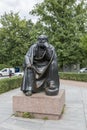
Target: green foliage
column 73, row 76
column 27, row 115
column 14, row 39
column 16, row 36
column 4, row 66
column 84, row 42
column 64, row 22
column 83, row 45
column 45, row 118
column 63, row 110
column 37, row 30
column 9, row 84
column 24, row 114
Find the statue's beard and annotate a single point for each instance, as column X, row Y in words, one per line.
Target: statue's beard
column 41, row 45
column 41, row 51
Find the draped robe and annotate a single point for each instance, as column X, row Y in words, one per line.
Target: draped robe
column 43, row 68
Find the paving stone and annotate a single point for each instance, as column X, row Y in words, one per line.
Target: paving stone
column 73, row 113
column 73, row 118
column 64, row 125
column 2, row 128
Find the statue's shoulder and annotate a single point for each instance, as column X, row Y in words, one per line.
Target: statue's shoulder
column 33, row 45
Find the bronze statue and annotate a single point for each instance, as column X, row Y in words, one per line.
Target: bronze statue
column 40, row 69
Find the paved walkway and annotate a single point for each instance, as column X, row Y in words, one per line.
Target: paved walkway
column 74, row 117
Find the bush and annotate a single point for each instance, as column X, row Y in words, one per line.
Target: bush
column 10, row 83
column 2, row 66
column 73, row 76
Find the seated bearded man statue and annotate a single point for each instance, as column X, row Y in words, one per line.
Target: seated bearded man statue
column 41, row 69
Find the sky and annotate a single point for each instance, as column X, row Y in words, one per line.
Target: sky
column 21, row 6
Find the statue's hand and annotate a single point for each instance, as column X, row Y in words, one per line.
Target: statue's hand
column 41, row 45
column 48, row 53
column 29, row 66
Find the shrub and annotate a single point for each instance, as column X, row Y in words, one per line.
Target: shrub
column 10, row 83
column 73, row 76
column 2, row 66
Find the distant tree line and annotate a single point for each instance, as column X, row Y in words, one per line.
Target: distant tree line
column 63, row 21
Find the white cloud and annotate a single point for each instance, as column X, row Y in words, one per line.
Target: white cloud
column 21, row 6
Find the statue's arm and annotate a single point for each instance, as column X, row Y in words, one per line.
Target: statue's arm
column 29, row 57
column 49, row 52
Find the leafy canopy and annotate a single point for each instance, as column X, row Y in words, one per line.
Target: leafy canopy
column 64, row 22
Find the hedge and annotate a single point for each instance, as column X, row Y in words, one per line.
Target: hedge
column 10, row 83
column 73, row 76
column 15, row 82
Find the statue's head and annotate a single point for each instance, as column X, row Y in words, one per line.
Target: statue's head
column 42, row 38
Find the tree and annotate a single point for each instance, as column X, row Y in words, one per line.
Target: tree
column 14, row 38
column 64, row 22
column 37, row 29
column 83, row 45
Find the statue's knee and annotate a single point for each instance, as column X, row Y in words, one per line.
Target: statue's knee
column 30, row 71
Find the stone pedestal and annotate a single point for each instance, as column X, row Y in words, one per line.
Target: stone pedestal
column 40, row 105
